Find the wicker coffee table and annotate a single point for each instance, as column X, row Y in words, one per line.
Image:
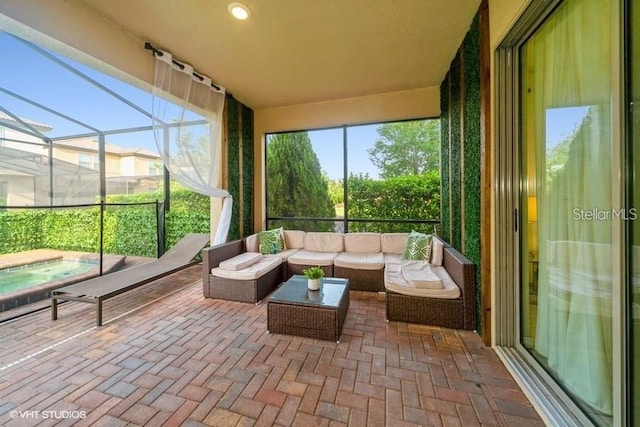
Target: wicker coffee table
column 294, row 310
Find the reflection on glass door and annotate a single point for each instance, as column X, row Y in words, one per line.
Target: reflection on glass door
column 634, row 134
column 566, row 202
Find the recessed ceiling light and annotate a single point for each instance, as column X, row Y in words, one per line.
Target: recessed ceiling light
column 239, row 11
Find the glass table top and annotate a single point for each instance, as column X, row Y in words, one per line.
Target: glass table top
column 295, row 291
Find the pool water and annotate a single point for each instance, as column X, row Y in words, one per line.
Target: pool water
column 16, row 278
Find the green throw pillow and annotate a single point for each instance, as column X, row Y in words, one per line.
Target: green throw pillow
column 418, row 247
column 271, row 241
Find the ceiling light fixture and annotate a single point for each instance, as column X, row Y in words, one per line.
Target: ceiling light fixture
column 239, row 11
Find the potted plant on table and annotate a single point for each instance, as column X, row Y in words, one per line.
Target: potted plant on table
column 314, row 274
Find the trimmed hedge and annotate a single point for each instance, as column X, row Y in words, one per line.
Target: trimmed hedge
column 405, row 197
column 128, row 229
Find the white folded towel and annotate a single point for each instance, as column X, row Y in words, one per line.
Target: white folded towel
column 420, row 275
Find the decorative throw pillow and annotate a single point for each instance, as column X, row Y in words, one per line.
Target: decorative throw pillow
column 437, row 252
column 271, row 241
column 418, row 247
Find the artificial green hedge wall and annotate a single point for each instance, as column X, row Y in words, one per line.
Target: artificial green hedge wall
column 461, row 152
column 455, row 128
column 240, row 167
column 247, row 171
column 128, row 229
column 445, row 118
column 233, row 165
column 472, row 148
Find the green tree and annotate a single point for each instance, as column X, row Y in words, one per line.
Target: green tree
column 407, row 148
column 296, row 186
column 336, row 190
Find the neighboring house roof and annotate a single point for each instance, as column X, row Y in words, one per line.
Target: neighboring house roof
column 8, row 119
column 89, row 144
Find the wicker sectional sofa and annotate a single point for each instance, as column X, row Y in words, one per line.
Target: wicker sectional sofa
column 371, row 261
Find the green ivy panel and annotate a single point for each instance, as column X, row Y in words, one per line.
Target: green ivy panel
column 233, row 165
column 472, row 150
column 445, row 213
column 247, row 170
column 455, row 156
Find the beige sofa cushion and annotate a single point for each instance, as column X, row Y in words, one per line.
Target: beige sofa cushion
column 394, row 281
column 360, row 261
column 306, row 257
column 254, row 271
column 294, row 239
column 323, row 242
column 241, row 261
column 284, row 255
column 393, row 243
column 437, row 252
column 362, row 242
column 252, row 243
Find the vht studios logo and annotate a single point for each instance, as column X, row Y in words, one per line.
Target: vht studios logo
column 595, row 214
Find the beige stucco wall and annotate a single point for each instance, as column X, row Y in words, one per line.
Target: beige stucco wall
column 502, row 15
column 20, row 190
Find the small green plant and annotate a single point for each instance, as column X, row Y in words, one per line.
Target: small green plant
column 314, row 273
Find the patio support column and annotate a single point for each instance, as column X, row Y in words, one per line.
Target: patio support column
column 103, row 188
column 50, row 154
column 103, row 172
column 167, row 176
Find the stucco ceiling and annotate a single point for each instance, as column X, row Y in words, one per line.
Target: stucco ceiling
column 300, row 51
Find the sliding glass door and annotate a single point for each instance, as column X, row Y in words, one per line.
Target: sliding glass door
column 568, row 206
column 634, row 226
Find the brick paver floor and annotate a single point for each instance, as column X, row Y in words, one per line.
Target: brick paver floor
column 169, row 356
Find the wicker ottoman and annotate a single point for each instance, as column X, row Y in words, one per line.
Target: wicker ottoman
column 294, row 310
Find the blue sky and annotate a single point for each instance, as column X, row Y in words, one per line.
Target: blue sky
column 327, row 144
column 33, row 76
column 562, row 122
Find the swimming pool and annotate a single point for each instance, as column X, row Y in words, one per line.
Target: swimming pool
column 16, row 278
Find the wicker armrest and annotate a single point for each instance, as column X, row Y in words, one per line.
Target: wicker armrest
column 214, row 255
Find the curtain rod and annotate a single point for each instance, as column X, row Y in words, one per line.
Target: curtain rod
column 149, row 46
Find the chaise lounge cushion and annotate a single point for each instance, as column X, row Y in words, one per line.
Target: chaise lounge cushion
column 394, row 281
column 241, row 261
column 252, row 272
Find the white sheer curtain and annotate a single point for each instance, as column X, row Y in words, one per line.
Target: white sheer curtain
column 569, row 70
column 187, row 121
